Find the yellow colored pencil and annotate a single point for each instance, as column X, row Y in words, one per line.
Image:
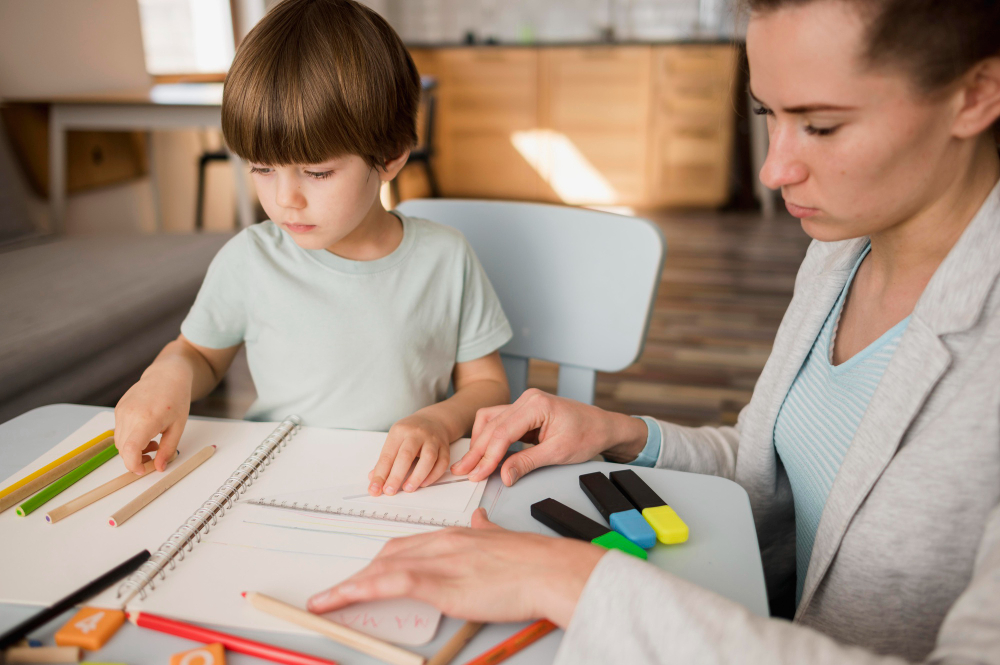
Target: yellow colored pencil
column 51, row 465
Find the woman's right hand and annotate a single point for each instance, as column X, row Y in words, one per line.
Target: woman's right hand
column 567, row 432
column 158, row 404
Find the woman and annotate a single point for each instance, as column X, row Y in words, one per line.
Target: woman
column 871, row 447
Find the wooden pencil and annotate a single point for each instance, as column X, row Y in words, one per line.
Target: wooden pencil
column 98, row 493
column 54, row 474
column 53, row 464
column 161, row 486
column 43, row 655
column 457, row 642
column 349, row 637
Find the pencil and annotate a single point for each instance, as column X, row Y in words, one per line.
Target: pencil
column 120, row 571
column 514, row 643
column 43, row 655
column 67, row 481
column 161, row 486
column 51, row 465
column 231, row 642
column 47, row 478
column 349, row 637
column 96, row 494
column 456, row 643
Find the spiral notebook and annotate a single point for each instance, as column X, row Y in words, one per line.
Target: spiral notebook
column 280, row 508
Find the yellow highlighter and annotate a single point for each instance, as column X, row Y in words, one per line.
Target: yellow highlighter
column 669, row 527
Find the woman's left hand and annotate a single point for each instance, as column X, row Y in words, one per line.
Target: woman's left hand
column 485, row 573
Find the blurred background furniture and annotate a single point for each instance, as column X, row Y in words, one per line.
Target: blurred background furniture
column 646, row 126
column 84, row 316
column 163, row 106
column 423, row 152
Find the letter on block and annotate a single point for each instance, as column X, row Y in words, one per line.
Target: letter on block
column 90, row 628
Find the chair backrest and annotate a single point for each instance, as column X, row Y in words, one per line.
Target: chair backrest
column 577, row 285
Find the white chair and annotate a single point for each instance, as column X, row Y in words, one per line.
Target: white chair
column 577, row 285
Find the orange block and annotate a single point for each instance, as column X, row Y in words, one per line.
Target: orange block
column 90, row 628
column 210, row 654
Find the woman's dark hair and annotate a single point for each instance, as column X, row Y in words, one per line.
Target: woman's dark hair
column 934, row 41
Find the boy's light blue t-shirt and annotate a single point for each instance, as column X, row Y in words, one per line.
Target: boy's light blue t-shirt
column 348, row 344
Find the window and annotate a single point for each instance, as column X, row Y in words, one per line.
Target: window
column 187, row 37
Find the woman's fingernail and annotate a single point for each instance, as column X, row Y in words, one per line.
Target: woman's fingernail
column 513, row 476
column 408, row 487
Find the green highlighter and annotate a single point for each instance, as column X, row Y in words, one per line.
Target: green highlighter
column 64, row 483
column 567, row 522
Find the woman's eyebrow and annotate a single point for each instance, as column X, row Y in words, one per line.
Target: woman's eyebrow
column 806, row 108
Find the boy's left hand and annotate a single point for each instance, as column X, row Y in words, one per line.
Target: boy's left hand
column 410, row 438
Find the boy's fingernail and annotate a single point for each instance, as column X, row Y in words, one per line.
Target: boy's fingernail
column 513, row 476
column 408, row 487
column 390, row 490
column 373, row 487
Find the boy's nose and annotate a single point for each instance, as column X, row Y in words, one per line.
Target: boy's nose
column 288, row 194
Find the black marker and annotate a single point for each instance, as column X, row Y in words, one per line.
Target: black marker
column 617, row 510
column 567, row 522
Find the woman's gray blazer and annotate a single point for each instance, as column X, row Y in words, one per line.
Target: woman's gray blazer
column 906, row 563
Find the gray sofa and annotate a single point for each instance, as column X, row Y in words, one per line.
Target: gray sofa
column 81, row 317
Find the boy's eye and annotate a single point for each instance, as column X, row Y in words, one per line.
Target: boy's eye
column 319, row 175
column 761, row 110
column 262, row 170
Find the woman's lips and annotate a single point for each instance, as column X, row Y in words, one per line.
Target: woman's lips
column 800, row 211
column 299, row 228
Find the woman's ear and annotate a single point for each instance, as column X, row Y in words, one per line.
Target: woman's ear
column 980, row 99
column 394, row 166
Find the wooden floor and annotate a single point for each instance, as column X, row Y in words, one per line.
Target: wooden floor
column 726, row 282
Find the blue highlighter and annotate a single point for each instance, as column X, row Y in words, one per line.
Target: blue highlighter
column 617, row 509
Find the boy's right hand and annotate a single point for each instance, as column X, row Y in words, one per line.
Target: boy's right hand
column 158, row 404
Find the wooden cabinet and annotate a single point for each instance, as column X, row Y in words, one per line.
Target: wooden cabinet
column 486, row 99
column 643, row 126
column 691, row 127
column 595, row 108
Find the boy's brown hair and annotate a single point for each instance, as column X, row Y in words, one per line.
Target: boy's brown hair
column 317, row 79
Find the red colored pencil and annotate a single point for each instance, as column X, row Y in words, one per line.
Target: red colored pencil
column 231, row 642
column 514, row 643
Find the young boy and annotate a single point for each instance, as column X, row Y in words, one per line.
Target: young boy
column 352, row 316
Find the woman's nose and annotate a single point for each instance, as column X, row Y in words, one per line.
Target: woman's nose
column 783, row 166
column 288, row 193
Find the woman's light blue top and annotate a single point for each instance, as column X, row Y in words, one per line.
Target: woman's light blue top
column 817, row 421
column 819, row 417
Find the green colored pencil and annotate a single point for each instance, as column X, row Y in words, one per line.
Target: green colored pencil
column 53, row 490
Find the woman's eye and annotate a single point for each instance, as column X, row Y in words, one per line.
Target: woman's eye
column 761, row 110
column 821, row 131
column 262, row 170
column 319, row 175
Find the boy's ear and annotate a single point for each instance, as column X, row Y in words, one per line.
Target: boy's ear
column 394, row 166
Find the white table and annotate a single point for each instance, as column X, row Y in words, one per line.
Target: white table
column 721, row 554
column 165, row 106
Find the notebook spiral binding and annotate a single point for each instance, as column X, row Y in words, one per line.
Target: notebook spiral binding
column 355, row 512
column 203, row 519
